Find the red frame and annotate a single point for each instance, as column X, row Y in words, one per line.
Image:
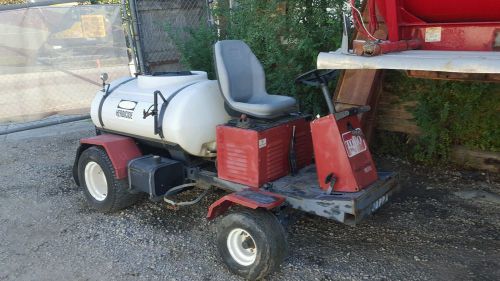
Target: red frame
column 243, row 199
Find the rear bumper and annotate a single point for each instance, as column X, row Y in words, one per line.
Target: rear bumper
column 348, row 208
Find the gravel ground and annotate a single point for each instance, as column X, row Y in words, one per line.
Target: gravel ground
column 444, row 225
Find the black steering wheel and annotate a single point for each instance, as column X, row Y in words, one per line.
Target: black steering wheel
column 316, row 77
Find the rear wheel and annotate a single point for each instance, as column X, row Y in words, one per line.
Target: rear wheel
column 251, row 243
column 101, row 188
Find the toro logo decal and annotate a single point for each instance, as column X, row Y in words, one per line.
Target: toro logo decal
column 125, row 109
column 354, row 143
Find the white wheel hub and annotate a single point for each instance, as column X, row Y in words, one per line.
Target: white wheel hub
column 241, row 246
column 95, row 180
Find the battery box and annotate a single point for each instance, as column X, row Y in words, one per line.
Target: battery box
column 260, row 153
column 154, row 175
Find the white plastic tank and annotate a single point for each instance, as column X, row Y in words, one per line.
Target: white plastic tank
column 189, row 120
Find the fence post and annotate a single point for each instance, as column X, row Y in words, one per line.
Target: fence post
column 128, row 32
column 137, row 37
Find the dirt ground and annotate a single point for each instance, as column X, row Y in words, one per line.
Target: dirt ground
column 444, row 225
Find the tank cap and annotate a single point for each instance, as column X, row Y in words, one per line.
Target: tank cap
column 156, row 158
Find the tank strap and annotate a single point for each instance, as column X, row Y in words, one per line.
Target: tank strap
column 165, row 105
column 106, row 94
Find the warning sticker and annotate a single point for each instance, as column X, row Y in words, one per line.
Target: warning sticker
column 93, row 26
column 433, row 34
column 354, row 143
column 75, row 31
column 262, row 143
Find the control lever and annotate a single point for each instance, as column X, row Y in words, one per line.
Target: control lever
column 149, row 112
column 293, row 155
column 331, row 179
column 154, row 112
column 352, row 111
column 354, row 131
column 328, row 98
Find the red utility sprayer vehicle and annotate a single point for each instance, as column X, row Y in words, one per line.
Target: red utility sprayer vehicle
column 166, row 133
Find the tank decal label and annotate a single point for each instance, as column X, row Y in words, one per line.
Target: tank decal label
column 127, row 104
column 262, row 143
column 125, row 109
column 124, row 114
column 106, row 95
column 354, row 144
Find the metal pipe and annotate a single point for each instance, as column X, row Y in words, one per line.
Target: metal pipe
column 326, row 94
column 210, row 19
column 155, row 111
column 129, row 34
column 35, row 3
column 137, row 37
column 46, row 124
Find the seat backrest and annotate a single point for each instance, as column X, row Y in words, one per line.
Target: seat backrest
column 240, row 74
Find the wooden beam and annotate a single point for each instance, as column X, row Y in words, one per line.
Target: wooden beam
column 486, row 77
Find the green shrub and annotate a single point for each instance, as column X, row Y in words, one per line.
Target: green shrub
column 285, row 36
column 196, row 46
column 450, row 113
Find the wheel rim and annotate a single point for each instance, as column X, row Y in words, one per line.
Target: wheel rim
column 95, row 180
column 242, row 247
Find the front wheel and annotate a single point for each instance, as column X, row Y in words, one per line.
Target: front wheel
column 252, row 243
column 101, row 188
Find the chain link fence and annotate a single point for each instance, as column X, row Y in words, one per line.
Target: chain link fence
column 154, row 19
column 51, row 58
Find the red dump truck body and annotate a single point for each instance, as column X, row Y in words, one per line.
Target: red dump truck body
column 444, row 25
column 452, row 11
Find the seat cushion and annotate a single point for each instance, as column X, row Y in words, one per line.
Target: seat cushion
column 243, row 84
column 269, row 106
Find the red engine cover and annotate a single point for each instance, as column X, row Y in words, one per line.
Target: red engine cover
column 252, row 157
column 337, row 150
